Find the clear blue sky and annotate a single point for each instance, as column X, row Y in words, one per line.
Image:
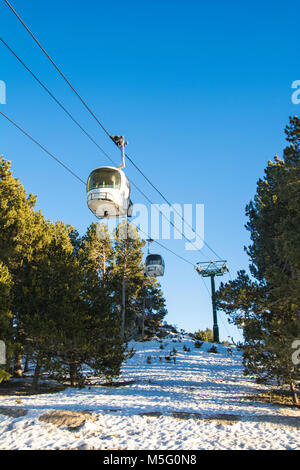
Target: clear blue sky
column 201, row 90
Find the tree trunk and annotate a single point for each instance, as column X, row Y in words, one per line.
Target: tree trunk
column 123, row 308
column 18, row 369
column 294, row 393
column 26, row 365
column 37, row 372
column 104, row 261
column 143, row 319
column 73, row 373
column 124, row 297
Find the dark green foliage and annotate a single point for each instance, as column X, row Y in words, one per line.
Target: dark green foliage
column 6, row 316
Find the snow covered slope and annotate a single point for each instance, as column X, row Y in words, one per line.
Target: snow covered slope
column 196, row 401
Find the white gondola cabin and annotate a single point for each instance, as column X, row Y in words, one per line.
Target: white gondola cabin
column 108, row 193
column 155, row 265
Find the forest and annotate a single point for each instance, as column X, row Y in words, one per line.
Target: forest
column 69, row 301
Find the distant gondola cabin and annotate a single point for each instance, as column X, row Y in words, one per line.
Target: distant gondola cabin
column 155, row 265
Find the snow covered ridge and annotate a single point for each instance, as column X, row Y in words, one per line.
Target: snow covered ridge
column 193, row 400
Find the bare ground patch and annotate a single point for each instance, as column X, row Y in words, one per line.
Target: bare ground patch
column 66, row 418
column 23, row 387
column 13, row 412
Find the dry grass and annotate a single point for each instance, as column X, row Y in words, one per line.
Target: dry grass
column 275, row 397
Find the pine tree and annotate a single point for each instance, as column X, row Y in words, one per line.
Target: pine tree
column 67, row 313
column 105, row 352
column 20, row 236
column 127, row 275
column 151, row 307
column 98, row 247
column 268, row 307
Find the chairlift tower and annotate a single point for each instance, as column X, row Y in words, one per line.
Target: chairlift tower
column 212, row 269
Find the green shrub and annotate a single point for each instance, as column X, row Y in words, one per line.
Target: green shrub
column 206, row 336
column 4, row 376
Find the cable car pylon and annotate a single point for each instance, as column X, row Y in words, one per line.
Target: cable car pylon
column 212, row 269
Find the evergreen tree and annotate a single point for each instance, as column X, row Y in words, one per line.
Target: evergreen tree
column 70, row 320
column 268, row 307
column 151, row 307
column 21, row 236
column 15, row 218
column 127, row 276
column 106, row 352
column 98, row 247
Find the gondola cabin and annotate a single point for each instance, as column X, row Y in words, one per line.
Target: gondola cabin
column 155, row 265
column 108, row 193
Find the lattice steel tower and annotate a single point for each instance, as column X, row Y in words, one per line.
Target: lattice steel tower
column 212, row 269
